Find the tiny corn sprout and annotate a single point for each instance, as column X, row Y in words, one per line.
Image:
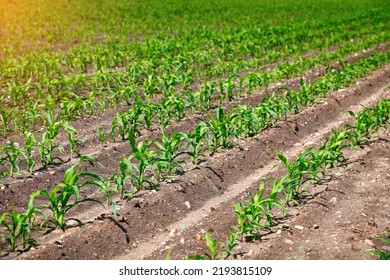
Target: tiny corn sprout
column 47, row 144
column 213, row 246
column 105, row 187
column 126, row 122
column 29, row 145
column 5, row 118
column 102, row 135
column 70, row 131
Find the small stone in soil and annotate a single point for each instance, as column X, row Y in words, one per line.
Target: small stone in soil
column 333, row 200
column 183, row 228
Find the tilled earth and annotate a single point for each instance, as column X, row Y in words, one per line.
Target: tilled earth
column 346, row 216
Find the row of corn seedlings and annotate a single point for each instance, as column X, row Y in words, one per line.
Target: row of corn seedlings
column 152, row 161
column 171, row 107
column 123, row 89
column 259, row 40
column 52, row 211
column 309, row 169
column 42, row 147
column 150, row 79
column 126, row 86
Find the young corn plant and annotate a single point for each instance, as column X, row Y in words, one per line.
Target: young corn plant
column 214, row 249
column 175, row 106
column 330, row 152
column 250, row 217
column 127, row 123
column 196, row 141
column 369, row 121
column 169, row 149
column 105, row 187
column 5, row 118
column 12, row 157
column 226, row 89
column 19, row 226
column 121, row 179
column 149, row 111
column 304, row 169
column 135, row 167
column 245, row 121
column 203, row 97
column 29, row 146
column 65, row 196
column 101, row 135
column 73, row 143
column 218, row 129
column 47, row 145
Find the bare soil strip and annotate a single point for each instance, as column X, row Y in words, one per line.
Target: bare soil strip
column 164, row 218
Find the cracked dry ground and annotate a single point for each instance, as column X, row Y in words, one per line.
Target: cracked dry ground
column 346, row 217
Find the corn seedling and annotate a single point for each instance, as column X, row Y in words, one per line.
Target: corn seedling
column 29, row 145
column 73, row 143
column 19, row 226
column 102, row 135
column 382, row 254
column 5, row 118
column 105, row 187
column 65, row 196
column 169, row 149
column 218, row 129
column 213, row 246
column 245, row 121
column 47, row 144
column 250, row 216
column 12, row 158
column 126, row 123
column 137, row 165
column 196, row 141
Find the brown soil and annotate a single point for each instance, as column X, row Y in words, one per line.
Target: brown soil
column 175, row 217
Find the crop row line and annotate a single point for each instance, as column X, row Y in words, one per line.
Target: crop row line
column 78, row 95
column 309, row 169
column 146, row 115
